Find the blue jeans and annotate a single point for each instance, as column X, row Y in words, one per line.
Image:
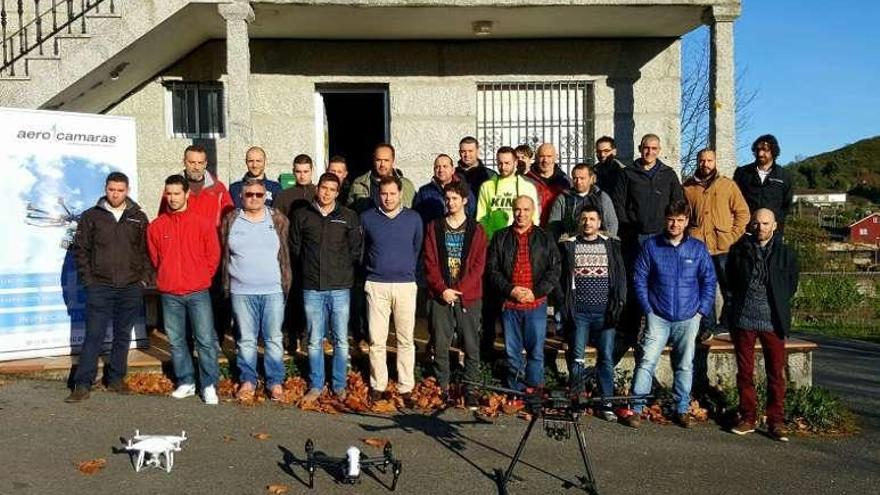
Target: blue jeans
column 197, row 307
column 259, row 315
column 323, row 307
column 682, row 336
column 584, row 325
column 525, row 330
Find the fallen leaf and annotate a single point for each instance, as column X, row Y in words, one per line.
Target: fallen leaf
column 227, row 439
column 261, row 436
column 277, row 489
column 383, row 406
column 379, row 443
column 91, row 467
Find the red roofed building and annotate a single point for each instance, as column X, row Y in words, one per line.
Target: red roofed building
column 866, row 230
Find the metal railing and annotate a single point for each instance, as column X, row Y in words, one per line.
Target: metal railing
column 26, row 32
column 558, row 112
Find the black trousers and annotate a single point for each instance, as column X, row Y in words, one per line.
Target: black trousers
column 445, row 321
column 123, row 306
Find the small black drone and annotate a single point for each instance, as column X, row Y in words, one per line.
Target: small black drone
column 352, row 464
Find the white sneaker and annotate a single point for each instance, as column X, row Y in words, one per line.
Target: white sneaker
column 184, row 391
column 209, row 394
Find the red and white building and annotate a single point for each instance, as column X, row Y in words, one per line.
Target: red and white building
column 866, row 230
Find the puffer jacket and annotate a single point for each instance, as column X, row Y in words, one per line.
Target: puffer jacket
column 719, row 213
column 430, row 202
column 185, row 250
column 674, row 282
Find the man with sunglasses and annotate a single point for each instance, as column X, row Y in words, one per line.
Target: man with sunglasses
column 255, row 267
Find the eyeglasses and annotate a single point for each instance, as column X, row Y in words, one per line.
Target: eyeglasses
column 254, row 194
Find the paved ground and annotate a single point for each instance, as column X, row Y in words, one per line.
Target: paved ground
column 41, row 438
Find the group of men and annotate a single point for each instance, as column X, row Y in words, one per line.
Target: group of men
column 606, row 247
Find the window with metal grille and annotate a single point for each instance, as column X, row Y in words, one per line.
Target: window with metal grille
column 195, row 110
column 558, row 112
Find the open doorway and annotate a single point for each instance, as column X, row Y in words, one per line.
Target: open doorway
column 354, row 120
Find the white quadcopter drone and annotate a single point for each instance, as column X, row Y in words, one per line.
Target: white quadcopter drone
column 161, row 449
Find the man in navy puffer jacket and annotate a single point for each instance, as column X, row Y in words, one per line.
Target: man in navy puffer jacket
column 674, row 281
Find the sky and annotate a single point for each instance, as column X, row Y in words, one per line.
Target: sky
column 815, row 69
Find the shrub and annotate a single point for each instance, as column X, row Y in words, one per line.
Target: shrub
column 828, row 294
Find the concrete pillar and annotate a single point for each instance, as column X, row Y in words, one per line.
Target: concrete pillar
column 239, row 129
column 722, row 85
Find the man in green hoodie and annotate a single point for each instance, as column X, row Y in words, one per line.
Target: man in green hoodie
column 495, row 201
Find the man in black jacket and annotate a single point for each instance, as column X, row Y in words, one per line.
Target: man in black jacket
column 764, row 183
column 763, row 277
column 325, row 238
column 641, row 195
column 111, row 255
column 608, row 168
column 594, row 287
column 470, row 167
column 524, row 268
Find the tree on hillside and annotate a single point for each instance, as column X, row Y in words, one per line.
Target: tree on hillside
column 695, row 100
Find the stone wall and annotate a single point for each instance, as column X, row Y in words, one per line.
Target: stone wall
column 432, row 87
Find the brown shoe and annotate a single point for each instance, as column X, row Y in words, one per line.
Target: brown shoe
column 743, row 428
column 245, row 391
column 778, row 432
column 78, row 394
column 341, row 394
column 118, row 387
column 684, row 420
column 376, row 395
column 408, row 401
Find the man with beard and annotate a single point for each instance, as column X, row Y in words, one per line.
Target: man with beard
column 364, row 193
column 764, row 183
column 719, row 215
column 608, row 167
column 208, row 197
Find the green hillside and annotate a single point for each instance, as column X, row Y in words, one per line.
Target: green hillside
column 854, row 168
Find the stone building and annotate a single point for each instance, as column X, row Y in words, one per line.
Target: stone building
column 325, row 76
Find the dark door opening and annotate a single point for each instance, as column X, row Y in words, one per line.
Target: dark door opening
column 357, row 120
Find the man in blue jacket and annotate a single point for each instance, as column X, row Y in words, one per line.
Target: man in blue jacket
column 674, row 282
column 430, row 200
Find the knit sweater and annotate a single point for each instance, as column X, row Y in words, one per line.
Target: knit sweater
column 391, row 245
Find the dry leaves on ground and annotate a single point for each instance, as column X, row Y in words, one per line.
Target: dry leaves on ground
column 149, row 383
column 227, row 439
column 277, row 489
column 492, row 405
column 700, row 414
column 92, row 466
column 654, row 414
column 261, row 436
column 379, row 443
column 427, row 395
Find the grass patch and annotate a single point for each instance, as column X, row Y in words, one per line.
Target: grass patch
column 865, row 331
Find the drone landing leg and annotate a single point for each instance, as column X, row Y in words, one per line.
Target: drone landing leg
column 519, row 451
column 589, row 484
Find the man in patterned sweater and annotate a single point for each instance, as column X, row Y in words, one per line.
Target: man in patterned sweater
column 595, row 292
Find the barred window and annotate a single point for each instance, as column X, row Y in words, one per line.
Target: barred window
column 558, row 112
column 195, row 109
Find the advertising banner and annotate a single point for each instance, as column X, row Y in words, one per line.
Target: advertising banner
column 54, row 166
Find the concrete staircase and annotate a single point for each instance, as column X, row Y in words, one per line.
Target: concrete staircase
column 103, row 56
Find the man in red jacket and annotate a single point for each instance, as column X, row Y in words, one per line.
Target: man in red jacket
column 455, row 258
column 185, row 250
column 208, row 197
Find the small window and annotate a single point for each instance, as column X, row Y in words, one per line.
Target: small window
column 876, row 219
column 195, row 110
column 863, row 231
